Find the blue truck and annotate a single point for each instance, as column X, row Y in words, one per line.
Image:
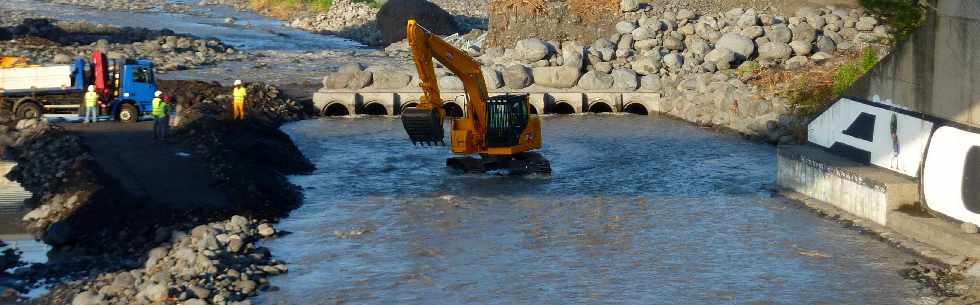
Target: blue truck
column 126, row 88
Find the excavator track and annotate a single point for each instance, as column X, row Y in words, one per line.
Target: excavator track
column 525, row 163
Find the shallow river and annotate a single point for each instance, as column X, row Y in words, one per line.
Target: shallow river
column 640, row 210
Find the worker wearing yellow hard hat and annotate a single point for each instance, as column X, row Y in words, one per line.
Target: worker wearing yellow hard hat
column 238, row 102
column 91, row 99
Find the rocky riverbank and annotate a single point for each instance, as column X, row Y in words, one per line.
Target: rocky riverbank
column 215, row 263
column 130, row 5
column 703, row 66
column 178, row 252
column 46, row 41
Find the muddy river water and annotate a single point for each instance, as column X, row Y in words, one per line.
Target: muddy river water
column 640, row 210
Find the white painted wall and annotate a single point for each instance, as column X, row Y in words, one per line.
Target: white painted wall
column 913, row 135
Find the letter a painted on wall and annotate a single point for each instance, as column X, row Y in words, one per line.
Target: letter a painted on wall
column 872, row 133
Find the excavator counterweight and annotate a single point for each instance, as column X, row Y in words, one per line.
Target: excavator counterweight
column 495, row 133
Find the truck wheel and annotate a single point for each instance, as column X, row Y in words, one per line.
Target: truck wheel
column 29, row 111
column 128, row 113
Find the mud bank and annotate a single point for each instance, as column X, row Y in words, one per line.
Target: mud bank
column 102, row 220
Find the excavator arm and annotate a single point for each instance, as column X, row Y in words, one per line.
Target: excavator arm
column 424, row 122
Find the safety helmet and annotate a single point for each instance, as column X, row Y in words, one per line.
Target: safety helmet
column 238, row 82
column 91, row 88
column 157, row 94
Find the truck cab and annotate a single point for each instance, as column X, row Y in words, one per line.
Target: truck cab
column 137, row 84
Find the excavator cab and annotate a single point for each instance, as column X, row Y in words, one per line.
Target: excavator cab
column 507, row 118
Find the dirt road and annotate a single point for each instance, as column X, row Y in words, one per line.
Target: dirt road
column 157, row 173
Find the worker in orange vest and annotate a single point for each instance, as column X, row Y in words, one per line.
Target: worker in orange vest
column 238, row 102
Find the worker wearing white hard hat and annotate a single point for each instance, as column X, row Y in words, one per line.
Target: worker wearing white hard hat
column 161, row 117
column 91, row 99
column 238, row 103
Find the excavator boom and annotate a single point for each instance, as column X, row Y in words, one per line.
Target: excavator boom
column 499, row 129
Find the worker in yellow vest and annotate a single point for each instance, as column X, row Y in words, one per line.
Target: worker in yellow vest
column 160, row 117
column 91, row 99
column 238, row 104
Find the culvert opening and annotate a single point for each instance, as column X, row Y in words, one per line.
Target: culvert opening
column 335, row 110
column 600, row 107
column 636, row 108
column 453, row 110
column 564, row 108
column 375, row 109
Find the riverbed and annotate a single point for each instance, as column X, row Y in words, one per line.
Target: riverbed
column 640, row 210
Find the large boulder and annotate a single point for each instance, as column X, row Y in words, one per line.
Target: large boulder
column 775, row 51
column 721, row 57
column 741, row 46
column 647, row 65
column 556, row 77
column 517, row 77
column 394, row 14
column 625, row 79
column 801, row 48
column 573, row 55
column 779, row 33
column 826, row 44
column 391, row 80
column 594, row 80
column 530, row 50
column 803, row 32
column 492, row 77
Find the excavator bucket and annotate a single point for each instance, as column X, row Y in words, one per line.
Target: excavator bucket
column 424, row 126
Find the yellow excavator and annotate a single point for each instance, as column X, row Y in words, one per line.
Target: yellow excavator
column 13, row 62
column 499, row 129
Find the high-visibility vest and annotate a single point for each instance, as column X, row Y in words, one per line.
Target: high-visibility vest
column 239, row 94
column 91, row 98
column 159, row 108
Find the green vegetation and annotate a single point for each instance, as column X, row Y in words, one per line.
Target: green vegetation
column 904, row 16
column 813, row 94
column 286, row 8
column 750, row 67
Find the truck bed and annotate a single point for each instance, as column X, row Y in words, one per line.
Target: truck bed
column 36, row 79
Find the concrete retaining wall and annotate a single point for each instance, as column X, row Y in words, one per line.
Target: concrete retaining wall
column 936, row 71
column 864, row 191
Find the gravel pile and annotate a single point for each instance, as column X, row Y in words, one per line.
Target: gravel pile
column 217, row 263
